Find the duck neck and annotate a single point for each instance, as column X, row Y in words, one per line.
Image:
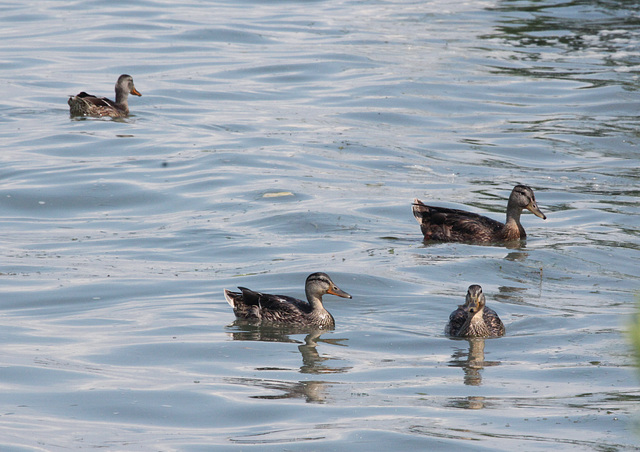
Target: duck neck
column 315, row 301
column 512, row 227
column 122, row 98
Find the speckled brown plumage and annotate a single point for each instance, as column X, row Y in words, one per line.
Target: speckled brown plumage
column 281, row 309
column 474, row 318
column 454, row 225
column 84, row 104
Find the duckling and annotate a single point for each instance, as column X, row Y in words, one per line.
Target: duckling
column 474, row 318
column 281, row 309
column 453, row 225
column 84, row 104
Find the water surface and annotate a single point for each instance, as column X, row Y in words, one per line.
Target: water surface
column 277, row 139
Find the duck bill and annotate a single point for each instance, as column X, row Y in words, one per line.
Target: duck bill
column 339, row 293
column 472, row 308
column 533, row 208
column 135, row 91
column 472, row 305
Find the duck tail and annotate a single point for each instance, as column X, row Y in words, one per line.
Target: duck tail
column 228, row 295
column 418, row 209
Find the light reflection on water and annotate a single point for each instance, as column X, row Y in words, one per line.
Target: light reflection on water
column 278, row 139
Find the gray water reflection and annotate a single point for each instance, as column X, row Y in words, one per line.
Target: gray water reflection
column 469, row 403
column 517, row 256
column 309, row 390
column 599, row 29
column 510, row 294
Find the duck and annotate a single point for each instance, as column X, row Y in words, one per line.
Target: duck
column 84, row 104
column 454, row 225
column 281, row 309
column 474, row 318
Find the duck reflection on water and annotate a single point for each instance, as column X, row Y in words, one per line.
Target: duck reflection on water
column 472, row 361
column 312, row 361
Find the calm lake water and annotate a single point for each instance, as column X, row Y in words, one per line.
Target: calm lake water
column 275, row 139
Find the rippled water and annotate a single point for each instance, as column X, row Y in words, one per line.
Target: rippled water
column 275, row 139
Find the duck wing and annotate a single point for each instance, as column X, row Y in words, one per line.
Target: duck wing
column 493, row 322
column 454, row 225
column 272, row 308
column 457, row 320
column 97, row 101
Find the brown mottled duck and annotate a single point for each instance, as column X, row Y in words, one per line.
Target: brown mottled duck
column 474, row 318
column 453, row 225
column 84, row 104
column 281, row 309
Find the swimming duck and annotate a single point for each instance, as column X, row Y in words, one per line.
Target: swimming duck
column 84, row 104
column 282, row 309
column 474, row 318
column 453, row 225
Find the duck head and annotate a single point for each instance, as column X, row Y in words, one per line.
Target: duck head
column 124, row 87
column 319, row 284
column 475, row 301
column 523, row 197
